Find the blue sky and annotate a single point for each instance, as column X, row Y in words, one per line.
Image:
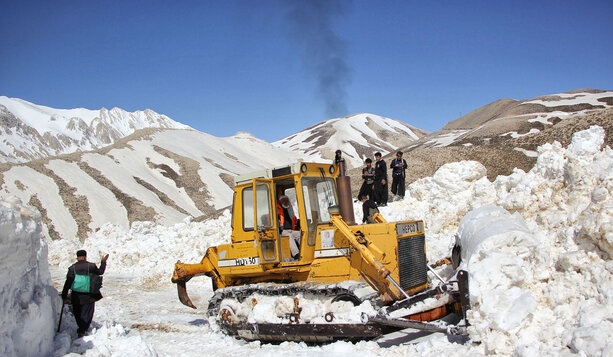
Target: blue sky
column 275, row 67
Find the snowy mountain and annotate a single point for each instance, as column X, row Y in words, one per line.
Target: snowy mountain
column 31, row 131
column 359, row 136
column 151, row 172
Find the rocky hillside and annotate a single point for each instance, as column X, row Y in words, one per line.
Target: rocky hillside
column 505, row 134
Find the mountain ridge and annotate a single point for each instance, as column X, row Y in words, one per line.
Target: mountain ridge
column 32, row 131
column 167, row 175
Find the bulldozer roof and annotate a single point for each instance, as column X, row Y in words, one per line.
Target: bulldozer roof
column 290, row 169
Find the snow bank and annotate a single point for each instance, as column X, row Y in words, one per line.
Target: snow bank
column 543, row 289
column 29, row 304
column 538, row 247
column 146, row 251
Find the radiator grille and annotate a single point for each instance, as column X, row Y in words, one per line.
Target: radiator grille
column 412, row 261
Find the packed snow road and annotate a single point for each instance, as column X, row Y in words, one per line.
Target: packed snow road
column 140, row 313
column 132, row 320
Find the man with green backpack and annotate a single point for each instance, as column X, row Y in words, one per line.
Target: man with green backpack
column 84, row 280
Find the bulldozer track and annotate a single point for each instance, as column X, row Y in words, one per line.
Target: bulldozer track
column 341, row 291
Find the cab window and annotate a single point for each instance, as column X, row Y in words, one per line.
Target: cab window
column 319, row 194
column 263, row 207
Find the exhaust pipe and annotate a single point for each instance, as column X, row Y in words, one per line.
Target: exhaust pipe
column 343, row 183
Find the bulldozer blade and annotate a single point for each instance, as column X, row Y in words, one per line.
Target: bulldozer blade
column 440, row 326
column 420, row 332
column 183, row 297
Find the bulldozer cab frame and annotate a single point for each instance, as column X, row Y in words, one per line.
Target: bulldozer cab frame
column 257, row 212
column 265, row 229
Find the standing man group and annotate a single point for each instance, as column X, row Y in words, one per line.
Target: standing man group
column 375, row 179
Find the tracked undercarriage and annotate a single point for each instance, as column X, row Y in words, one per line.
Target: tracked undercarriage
column 284, row 316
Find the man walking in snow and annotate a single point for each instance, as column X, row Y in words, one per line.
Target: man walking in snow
column 82, row 278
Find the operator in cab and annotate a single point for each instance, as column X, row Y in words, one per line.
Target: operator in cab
column 288, row 225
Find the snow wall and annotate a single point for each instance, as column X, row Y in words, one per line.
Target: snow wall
column 30, row 304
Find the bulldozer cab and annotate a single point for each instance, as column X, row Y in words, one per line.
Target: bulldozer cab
column 284, row 231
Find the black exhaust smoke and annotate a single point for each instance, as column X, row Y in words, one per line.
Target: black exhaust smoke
column 323, row 52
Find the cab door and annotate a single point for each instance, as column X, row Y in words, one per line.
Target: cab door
column 267, row 226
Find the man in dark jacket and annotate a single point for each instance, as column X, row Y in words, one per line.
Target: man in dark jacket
column 380, row 188
column 369, row 208
column 368, row 174
column 398, row 167
column 78, row 279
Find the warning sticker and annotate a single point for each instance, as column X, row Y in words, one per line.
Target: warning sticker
column 327, row 238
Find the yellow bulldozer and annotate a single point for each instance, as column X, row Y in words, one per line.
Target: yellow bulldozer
column 294, row 236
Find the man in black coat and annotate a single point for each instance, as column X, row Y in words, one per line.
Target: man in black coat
column 398, row 167
column 368, row 174
column 380, row 188
column 83, row 302
column 369, row 208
